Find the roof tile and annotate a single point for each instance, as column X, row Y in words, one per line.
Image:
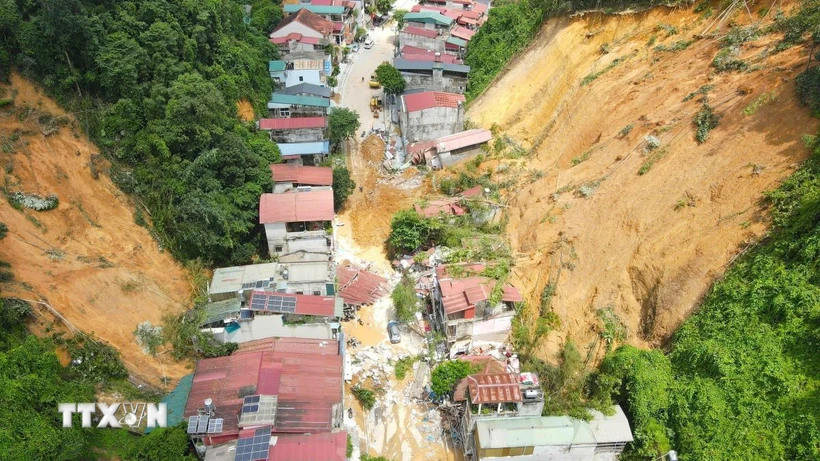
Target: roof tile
column 315, row 205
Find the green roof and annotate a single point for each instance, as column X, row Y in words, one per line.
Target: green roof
column 276, row 66
column 217, row 311
column 298, row 100
column 428, row 17
column 456, row 41
column 176, row 401
column 318, row 9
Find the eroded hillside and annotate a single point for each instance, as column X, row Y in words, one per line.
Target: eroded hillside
column 87, row 258
column 612, row 218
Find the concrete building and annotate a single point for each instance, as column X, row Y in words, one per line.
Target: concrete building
column 430, row 114
column 449, row 150
column 274, row 386
column 420, row 37
column 268, row 314
column 298, row 68
column 304, row 23
column 412, row 53
column 288, row 177
column 433, row 75
column 298, row 225
column 305, row 153
column 462, row 309
column 290, row 105
column 300, row 129
column 494, row 396
column 236, row 283
column 552, row 438
column 341, row 15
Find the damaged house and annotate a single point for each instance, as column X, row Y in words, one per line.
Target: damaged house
column 430, row 114
column 463, row 308
column 298, row 225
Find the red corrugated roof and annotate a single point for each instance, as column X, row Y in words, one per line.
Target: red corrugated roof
column 473, row 191
column 358, row 286
column 429, row 33
column 428, row 99
column 338, row 26
column 434, row 207
column 309, row 19
column 295, row 36
column 310, row 447
column 292, row 123
column 494, row 388
column 462, row 32
column 459, row 295
column 473, row 14
column 479, row 7
column 420, row 54
column 315, row 205
column 451, row 14
column 467, row 21
column 300, row 174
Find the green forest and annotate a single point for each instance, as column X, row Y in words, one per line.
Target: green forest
column 155, row 84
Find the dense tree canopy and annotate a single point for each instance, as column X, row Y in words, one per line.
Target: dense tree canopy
column 390, row 78
column 342, row 125
column 343, row 186
column 156, row 85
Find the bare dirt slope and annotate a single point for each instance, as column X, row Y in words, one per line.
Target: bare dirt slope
column 647, row 246
column 88, row 259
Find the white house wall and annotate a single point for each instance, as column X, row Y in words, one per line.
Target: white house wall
column 557, row 453
column 433, row 123
column 296, row 27
column 270, row 326
column 295, row 77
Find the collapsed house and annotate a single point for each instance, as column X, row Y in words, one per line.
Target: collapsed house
column 449, row 150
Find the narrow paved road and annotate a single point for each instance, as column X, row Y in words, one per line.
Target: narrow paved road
column 356, row 93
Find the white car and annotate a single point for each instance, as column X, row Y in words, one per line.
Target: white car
column 354, row 48
column 368, row 43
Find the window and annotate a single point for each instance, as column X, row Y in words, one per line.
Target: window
column 284, row 113
column 301, row 78
column 317, row 293
column 300, row 292
column 277, row 249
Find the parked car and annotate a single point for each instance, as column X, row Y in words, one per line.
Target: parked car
column 393, row 332
column 354, row 48
column 369, row 43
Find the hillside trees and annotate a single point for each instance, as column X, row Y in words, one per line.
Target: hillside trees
column 343, row 186
column 155, row 84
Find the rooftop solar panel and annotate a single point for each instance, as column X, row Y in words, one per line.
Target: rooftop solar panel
column 192, row 424
column 251, row 399
column 215, row 426
column 255, row 447
column 202, row 425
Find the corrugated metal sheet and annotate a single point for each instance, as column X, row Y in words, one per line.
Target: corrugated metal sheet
column 463, row 139
column 298, row 100
column 304, row 374
column 462, row 32
column 304, row 148
column 292, row 123
column 217, row 311
column 455, row 41
column 460, row 294
column 307, row 18
column 407, row 64
column 299, row 174
column 494, row 388
column 315, row 205
column 434, row 207
column 323, row 306
column 309, row 89
column 412, row 53
column 428, row 99
column 429, row 33
column 309, row 447
column 479, row 7
column 276, row 66
column 428, row 17
column 358, row 286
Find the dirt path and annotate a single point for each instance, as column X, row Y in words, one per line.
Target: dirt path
column 645, row 245
column 87, row 258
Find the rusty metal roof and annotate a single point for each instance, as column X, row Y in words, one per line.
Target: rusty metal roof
column 314, row 205
column 304, row 374
column 309, row 447
column 494, row 388
column 460, row 294
column 358, row 286
column 301, row 174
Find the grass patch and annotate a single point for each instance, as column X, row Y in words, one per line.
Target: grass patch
column 705, row 120
column 761, row 101
column 679, row 45
column 704, row 90
column 593, row 76
column 725, row 60
column 403, row 365
column 653, row 158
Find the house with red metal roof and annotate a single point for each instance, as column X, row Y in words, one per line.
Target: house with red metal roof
column 297, row 224
column 272, row 387
column 290, row 447
column 261, row 314
column 430, row 114
column 289, row 177
column 496, row 396
column 299, row 129
column 467, row 305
